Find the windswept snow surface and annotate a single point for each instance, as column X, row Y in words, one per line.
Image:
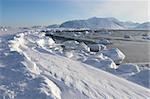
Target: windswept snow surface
column 29, row 70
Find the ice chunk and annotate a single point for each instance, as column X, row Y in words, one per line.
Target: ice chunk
column 104, row 64
column 84, row 47
column 46, row 42
column 70, row 44
column 97, row 47
column 115, row 54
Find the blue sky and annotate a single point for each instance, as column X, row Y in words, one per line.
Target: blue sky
column 45, row 12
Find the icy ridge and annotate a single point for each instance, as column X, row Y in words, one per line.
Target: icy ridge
column 47, row 87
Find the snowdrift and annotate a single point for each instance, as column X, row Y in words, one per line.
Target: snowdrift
column 29, row 71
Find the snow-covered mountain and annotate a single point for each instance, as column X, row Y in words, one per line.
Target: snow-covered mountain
column 145, row 25
column 94, row 23
column 130, row 25
column 53, row 26
column 104, row 23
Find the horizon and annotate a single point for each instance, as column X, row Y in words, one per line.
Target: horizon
column 26, row 13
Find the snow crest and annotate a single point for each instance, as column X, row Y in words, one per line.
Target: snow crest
column 30, row 83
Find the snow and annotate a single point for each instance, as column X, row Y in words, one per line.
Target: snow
column 50, row 88
column 29, row 69
column 141, row 78
column 68, row 54
column 84, row 47
column 71, row 44
column 18, row 40
column 128, row 68
column 105, row 63
column 94, row 23
column 45, row 42
column 115, row 54
column 145, row 26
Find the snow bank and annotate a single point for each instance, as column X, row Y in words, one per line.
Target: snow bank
column 20, row 76
column 128, row 68
column 49, row 88
column 30, row 65
column 34, row 72
column 142, row 78
column 29, row 88
column 115, row 54
column 91, row 82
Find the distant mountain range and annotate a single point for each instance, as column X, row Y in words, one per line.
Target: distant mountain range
column 53, row 26
column 145, row 25
column 103, row 23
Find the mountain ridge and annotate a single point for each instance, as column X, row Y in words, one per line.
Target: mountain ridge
column 102, row 23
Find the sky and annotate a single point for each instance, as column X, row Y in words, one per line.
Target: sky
column 45, row 12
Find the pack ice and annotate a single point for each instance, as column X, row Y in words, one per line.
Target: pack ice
column 32, row 68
